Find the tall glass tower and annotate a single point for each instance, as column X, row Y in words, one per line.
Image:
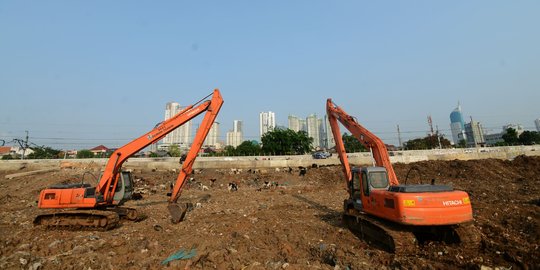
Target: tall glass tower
column 457, row 125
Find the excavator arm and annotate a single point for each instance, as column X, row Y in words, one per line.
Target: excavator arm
column 364, row 136
column 109, row 179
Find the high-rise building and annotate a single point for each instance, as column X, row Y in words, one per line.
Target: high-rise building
column 303, row 125
column 238, row 126
column 267, row 122
column 235, row 136
column 294, row 123
column 330, row 143
column 474, row 133
column 537, row 124
column 313, row 130
column 457, row 125
column 322, row 133
column 212, row 139
column 182, row 134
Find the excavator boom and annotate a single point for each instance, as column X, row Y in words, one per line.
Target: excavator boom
column 364, row 136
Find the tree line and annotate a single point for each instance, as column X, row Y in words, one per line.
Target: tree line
column 289, row 142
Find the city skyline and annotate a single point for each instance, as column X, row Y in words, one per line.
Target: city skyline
column 72, row 81
column 222, row 138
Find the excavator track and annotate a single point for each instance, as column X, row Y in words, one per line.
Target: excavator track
column 405, row 240
column 79, row 220
column 381, row 234
column 469, row 236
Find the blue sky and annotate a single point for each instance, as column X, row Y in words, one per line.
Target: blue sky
column 76, row 74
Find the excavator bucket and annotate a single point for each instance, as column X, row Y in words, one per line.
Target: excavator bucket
column 178, row 211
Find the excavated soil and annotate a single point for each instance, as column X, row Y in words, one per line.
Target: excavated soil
column 296, row 225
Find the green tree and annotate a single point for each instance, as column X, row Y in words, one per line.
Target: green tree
column 7, row 157
column 85, row 153
column 248, row 148
column 352, row 145
column 286, row 142
column 529, row 137
column 510, row 137
column 462, row 143
column 43, row 152
column 174, row 151
column 428, row 142
column 229, row 150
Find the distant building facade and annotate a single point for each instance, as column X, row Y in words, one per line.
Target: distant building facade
column 316, row 128
column 235, row 137
column 517, row 127
column 474, row 134
column 313, row 129
column 537, row 124
column 267, row 122
column 457, row 125
column 181, row 135
column 494, row 139
column 330, row 143
column 212, row 139
column 294, row 123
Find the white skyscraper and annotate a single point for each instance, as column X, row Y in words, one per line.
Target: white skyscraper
column 313, row 129
column 181, row 135
column 235, row 137
column 212, row 139
column 537, row 124
column 303, row 125
column 238, row 126
column 267, row 122
column 322, row 133
column 294, row 123
column 330, row 143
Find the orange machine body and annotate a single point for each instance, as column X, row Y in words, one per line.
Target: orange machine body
column 65, row 198
column 420, row 205
column 103, row 195
column 431, row 208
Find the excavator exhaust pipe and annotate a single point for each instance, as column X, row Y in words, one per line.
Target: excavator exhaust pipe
column 178, row 211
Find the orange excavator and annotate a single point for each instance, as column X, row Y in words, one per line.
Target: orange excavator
column 391, row 215
column 81, row 205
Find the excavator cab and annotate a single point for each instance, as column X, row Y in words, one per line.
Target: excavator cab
column 364, row 180
column 124, row 188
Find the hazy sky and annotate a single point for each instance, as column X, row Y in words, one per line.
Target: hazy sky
column 77, row 74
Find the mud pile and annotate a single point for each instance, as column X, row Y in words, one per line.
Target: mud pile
column 294, row 223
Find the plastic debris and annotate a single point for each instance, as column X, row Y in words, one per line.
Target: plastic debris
column 180, row 255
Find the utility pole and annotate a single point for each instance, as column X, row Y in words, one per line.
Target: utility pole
column 25, row 145
column 430, row 122
column 438, row 137
column 399, row 138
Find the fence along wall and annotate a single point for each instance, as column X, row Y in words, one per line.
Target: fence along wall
column 362, row 158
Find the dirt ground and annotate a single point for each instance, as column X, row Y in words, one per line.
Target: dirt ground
column 296, row 225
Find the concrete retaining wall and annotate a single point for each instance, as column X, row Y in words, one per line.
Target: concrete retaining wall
column 363, row 158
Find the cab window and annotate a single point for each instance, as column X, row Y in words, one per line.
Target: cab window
column 356, row 181
column 378, row 179
column 365, row 186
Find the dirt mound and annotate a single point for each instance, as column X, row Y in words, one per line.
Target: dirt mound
column 293, row 222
